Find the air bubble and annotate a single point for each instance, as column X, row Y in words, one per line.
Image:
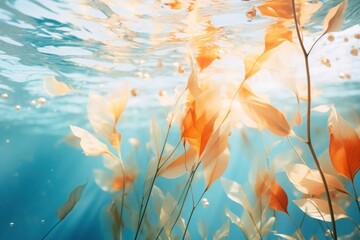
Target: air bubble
column 11, row 224
column 41, row 101
column 7, row 140
column 146, row 76
column 42, row 221
column 205, row 202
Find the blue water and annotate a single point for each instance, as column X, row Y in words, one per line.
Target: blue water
column 97, row 46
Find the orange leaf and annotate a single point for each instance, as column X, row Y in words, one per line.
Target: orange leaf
column 216, row 155
column 114, row 181
column 277, row 8
column 344, row 146
column 198, row 122
column 175, row 5
column 268, row 189
column 207, row 54
column 278, row 198
column 275, row 35
column 335, row 18
column 252, row 64
column 207, row 50
column 180, row 165
column 263, row 113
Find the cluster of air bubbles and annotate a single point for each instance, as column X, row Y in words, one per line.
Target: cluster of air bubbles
column 37, row 103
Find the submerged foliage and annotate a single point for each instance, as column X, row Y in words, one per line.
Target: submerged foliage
column 205, row 114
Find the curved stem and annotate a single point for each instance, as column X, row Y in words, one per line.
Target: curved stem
column 308, row 122
column 311, row 48
column 185, row 191
column 144, row 207
column 123, row 187
column 158, row 166
column 298, row 232
column 192, row 213
column 297, row 153
column 53, row 227
column 356, row 196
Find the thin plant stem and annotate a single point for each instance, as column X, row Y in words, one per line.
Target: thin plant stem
column 356, row 196
column 123, row 185
column 308, row 123
column 356, row 225
column 53, row 227
column 184, row 193
column 187, row 192
column 192, row 213
column 299, row 234
column 311, row 48
column 297, row 153
column 143, row 207
column 265, row 150
column 172, row 152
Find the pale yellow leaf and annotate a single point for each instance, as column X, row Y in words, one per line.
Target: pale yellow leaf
column 235, row 192
column 319, row 209
column 309, row 181
column 156, row 139
column 216, row 155
column 284, row 236
column 105, row 112
column 88, row 142
column 55, row 87
column 222, row 232
column 166, row 218
column 321, row 108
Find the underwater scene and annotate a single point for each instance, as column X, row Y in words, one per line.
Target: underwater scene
column 179, row 119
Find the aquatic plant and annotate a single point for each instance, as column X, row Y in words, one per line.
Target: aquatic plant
column 202, row 118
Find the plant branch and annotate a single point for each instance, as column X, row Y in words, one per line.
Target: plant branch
column 308, row 123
